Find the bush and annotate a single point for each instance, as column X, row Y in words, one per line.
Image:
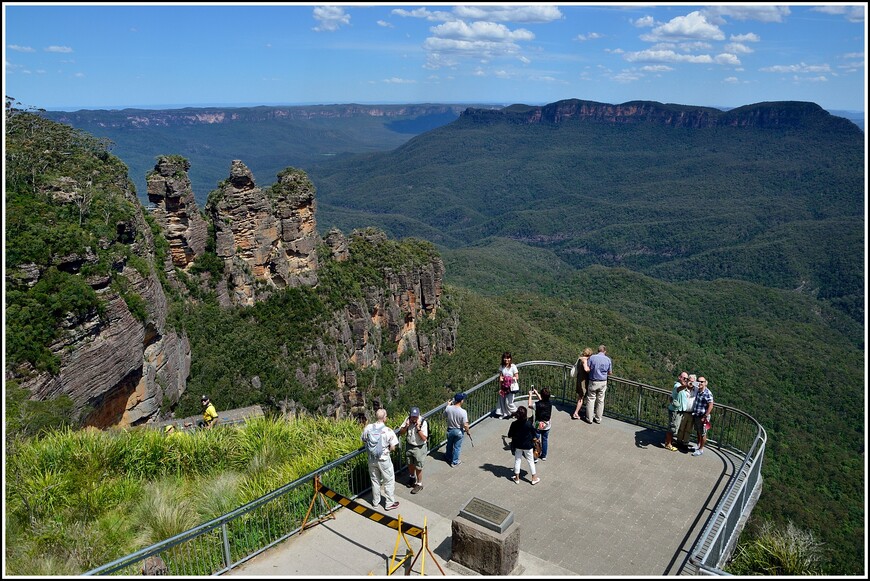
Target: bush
column 778, row 552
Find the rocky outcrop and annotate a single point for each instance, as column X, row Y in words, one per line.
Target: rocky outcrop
column 176, row 211
column 266, row 238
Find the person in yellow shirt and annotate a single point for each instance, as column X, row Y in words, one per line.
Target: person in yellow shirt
column 209, row 416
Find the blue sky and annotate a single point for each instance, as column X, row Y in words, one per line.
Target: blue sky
column 171, row 55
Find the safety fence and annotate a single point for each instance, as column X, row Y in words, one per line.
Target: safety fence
column 227, row 541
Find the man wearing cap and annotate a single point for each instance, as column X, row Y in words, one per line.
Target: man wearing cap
column 417, row 430
column 209, row 416
column 457, row 423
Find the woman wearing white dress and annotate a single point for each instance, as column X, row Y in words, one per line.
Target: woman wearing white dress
column 507, row 387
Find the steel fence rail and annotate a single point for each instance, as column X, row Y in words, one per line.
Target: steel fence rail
column 225, row 542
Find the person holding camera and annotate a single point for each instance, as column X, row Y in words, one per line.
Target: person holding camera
column 522, row 434
column 543, row 414
column 456, row 419
column 417, row 434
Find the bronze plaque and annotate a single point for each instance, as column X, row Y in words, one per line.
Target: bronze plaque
column 487, row 514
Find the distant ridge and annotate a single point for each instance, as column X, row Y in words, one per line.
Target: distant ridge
column 765, row 114
column 218, row 115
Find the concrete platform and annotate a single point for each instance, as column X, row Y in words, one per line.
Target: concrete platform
column 611, row 502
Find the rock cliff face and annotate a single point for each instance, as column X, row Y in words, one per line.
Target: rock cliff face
column 267, row 238
column 786, row 113
column 121, row 363
column 176, row 211
column 393, row 324
column 118, row 368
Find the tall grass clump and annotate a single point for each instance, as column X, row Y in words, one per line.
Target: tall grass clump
column 775, row 551
column 76, row 500
column 165, row 511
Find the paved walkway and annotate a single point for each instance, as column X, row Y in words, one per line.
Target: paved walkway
column 611, row 502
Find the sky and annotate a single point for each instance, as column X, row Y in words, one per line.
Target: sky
column 68, row 56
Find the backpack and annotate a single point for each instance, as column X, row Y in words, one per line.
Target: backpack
column 375, row 443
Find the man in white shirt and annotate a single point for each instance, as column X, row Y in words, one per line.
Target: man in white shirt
column 379, row 440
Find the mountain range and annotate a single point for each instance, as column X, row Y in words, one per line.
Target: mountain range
column 725, row 242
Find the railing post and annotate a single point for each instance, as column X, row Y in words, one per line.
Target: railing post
column 226, row 538
column 638, row 410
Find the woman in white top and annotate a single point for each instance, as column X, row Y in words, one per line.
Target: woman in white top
column 507, row 387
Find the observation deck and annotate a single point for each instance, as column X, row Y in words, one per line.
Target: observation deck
column 612, row 500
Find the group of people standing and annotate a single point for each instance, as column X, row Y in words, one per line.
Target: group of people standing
column 690, row 408
column 591, row 373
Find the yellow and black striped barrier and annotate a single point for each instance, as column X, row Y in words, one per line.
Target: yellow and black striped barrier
column 396, row 524
column 369, row 513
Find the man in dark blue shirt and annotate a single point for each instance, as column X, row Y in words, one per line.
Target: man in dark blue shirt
column 600, row 367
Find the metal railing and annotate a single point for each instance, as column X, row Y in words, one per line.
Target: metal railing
column 229, row 540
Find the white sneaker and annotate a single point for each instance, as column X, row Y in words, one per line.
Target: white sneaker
column 698, row 452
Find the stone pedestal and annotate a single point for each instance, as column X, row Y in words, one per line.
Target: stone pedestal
column 483, row 550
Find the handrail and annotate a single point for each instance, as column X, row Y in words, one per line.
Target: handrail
column 227, row 541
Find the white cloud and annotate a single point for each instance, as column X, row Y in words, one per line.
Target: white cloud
column 736, row 47
column 590, row 36
column 693, row 26
column 799, row 68
column 731, row 80
column 524, row 60
column 819, row 79
column 17, row 48
column 694, row 46
column 488, row 31
column 760, row 13
column 727, row 59
column 54, row 48
column 398, row 81
column 79, row 75
column 330, row 18
column 385, row 24
column 666, row 56
column 748, row 37
column 509, row 13
column 645, row 22
column 656, row 68
column 627, row 77
column 852, row 13
column 472, row 48
column 437, row 60
column 437, row 16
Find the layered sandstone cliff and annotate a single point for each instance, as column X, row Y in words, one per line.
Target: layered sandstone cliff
column 118, row 365
column 175, row 209
column 266, row 238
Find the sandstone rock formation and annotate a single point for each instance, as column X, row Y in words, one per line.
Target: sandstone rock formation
column 267, row 238
column 124, row 366
column 176, row 211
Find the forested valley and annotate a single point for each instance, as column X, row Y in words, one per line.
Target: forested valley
column 733, row 252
